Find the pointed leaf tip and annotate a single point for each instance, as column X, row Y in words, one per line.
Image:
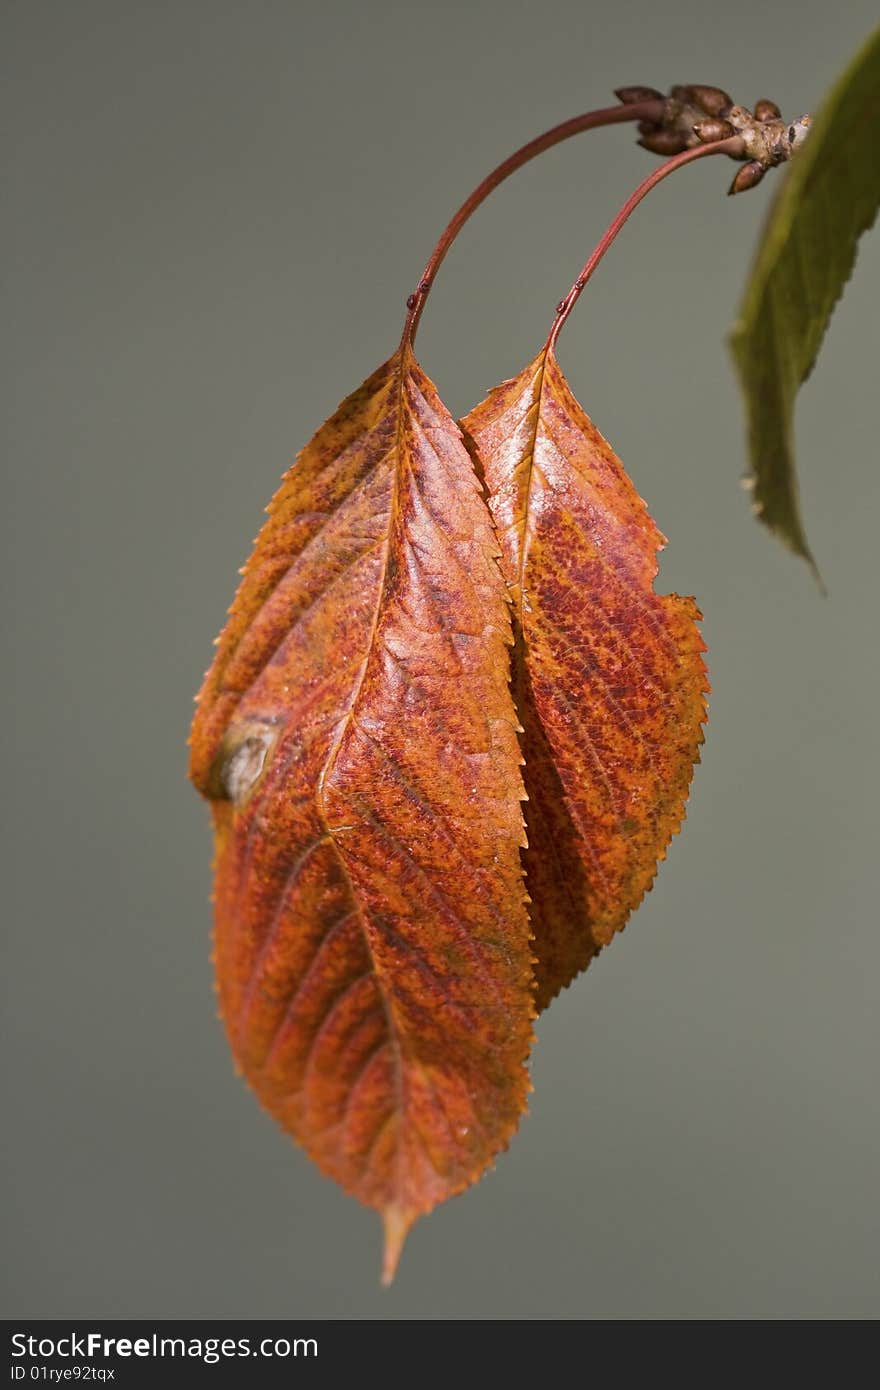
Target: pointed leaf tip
column 397, row 1222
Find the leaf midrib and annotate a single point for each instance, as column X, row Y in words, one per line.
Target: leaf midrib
column 333, row 755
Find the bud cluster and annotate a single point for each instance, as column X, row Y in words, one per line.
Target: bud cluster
column 697, row 114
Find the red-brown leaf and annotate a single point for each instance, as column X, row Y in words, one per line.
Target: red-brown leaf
column 357, row 738
column 608, row 676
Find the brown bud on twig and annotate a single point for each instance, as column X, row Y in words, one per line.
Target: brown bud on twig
column 749, row 176
column 660, row 141
column 712, row 100
column 767, row 110
column 711, row 129
column 630, row 95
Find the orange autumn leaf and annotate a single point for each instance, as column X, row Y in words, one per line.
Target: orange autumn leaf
column 608, row 676
column 357, row 739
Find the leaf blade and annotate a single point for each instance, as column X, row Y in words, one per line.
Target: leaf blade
column 372, row 942
column 828, row 198
column 608, row 677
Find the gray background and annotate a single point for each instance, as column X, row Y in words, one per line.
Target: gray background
column 216, row 213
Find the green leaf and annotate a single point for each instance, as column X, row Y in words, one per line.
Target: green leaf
column 828, row 198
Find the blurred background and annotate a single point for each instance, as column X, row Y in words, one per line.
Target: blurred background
column 214, row 214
